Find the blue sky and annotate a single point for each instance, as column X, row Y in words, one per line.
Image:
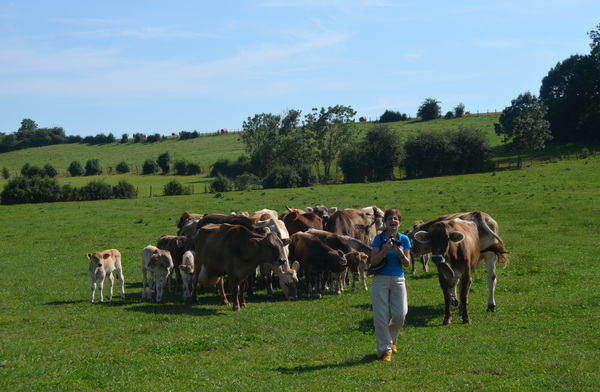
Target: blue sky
column 160, row 67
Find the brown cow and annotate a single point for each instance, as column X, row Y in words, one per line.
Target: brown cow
column 296, row 221
column 177, row 245
column 315, row 257
column 456, row 243
column 347, row 244
column 184, row 218
column 235, row 251
column 355, row 223
column 487, row 228
column 232, row 220
column 159, row 264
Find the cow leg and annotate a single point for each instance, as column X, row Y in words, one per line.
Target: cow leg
column 100, row 286
column 318, row 279
column 362, row 271
column 413, row 263
column 490, row 264
column 93, row 278
column 241, row 299
column 111, row 282
column 121, row 281
column 446, row 290
column 178, row 281
column 235, row 288
column 465, row 285
column 425, row 261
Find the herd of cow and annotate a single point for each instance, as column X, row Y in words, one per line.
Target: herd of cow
column 321, row 245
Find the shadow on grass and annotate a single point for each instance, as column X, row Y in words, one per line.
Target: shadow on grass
column 169, row 309
column 421, row 316
column 304, row 369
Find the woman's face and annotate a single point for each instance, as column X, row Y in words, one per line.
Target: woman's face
column 392, row 222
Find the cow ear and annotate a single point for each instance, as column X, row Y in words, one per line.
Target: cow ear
column 296, row 266
column 286, row 241
column 332, row 210
column 309, row 209
column 89, row 256
column 456, row 236
column 422, row 236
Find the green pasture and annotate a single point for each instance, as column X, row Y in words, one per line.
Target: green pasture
column 544, row 335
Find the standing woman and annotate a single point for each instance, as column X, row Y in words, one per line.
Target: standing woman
column 388, row 290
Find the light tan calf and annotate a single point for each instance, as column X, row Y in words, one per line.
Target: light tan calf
column 159, row 264
column 102, row 264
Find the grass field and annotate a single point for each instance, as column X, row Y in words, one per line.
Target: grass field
column 543, row 336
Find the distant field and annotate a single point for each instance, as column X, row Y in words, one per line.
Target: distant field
column 544, row 335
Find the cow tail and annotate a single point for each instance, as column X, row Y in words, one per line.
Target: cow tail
column 499, row 249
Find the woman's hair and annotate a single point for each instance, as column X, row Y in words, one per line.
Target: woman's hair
column 392, row 211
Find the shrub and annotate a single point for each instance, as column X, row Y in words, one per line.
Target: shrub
column 5, row 173
column 221, row 184
column 96, row 190
column 282, row 177
column 35, row 189
column 50, row 171
column 92, row 167
column 246, row 182
column 149, row 167
column 75, row 169
column 391, row 116
column 27, row 170
column 181, row 168
column 194, row 169
column 174, row 188
column 123, row 167
column 124, row 190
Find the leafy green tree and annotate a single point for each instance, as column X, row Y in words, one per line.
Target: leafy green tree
column 459, row 110
column 96, row 190
column 92, row 167
column 260, row 138
column 221, row 184
column 429, row 110
column 164, row 162
column 392, row 116
column 124, row 190
column 50, row 171
column 175, row 188
column 331, row 131
column 75, row 169
column 124, row 138
column 28, row 124
column 122, row 167
column 149, row 167
column 524, row 126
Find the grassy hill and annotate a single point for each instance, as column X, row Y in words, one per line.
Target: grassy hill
column 543, row 336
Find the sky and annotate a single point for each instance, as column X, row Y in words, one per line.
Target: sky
column 148, row 66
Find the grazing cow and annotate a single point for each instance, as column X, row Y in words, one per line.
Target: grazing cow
column 354, row 223
column 177, row 246
column 235, row 251
column 296, row 221
column 288, row 279
column 418, row 251
column 186, row 216
column 187, row 270
column 347, row 244
column 487, row 228
column 315, row 257
column 189, row 228
column 456, row 243
column 102, row 264
column 159, row 264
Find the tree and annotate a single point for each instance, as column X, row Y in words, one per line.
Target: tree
column 75, row 169
column 392, row 116
column 28, row 125
column 429, row 110
column 122, row 167
column 523, row 125
column 332, row 130
column 124, row 138
column 459, row 110
column 260, row 138
column 149, row 167
column 92, row 167
column 164, row 162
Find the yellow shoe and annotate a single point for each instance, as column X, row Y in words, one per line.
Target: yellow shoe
column 387, row 356
column 394, row 349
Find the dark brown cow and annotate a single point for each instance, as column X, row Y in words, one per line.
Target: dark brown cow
column 235, row 251
column 184, row 218
column 487, row 229
column 232, row 220
column 456, row 244
column 177, row 245
column 301, row 221
column 348, row 244
column 354, row 223
column 315, row 257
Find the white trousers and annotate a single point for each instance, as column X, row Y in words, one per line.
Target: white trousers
column 390, row 306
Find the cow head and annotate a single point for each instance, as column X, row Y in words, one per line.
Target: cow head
column 288, row 280
column 271, row 248
column 439, row 238
column 96, row 259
